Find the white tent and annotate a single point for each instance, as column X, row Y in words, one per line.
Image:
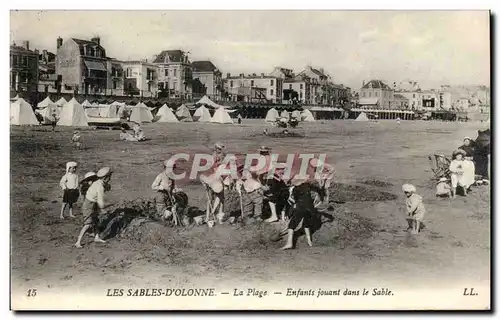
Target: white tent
column 285, row 114
column 86, row 104
column 307, row 116
column 44, row 103
column 72, row 114
column 272, row 115
column 22, row 114
column 141, row 114
column 61, row 102
column 48, row 111
column 117, row 103
column 221, row 116
column 206, row 100
column 296, row 114
column 362, row 117
column 183, row 114
column 166, row 114
column 202, row 114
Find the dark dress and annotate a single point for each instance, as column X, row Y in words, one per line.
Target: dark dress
column 304, row 204
column 277, row 194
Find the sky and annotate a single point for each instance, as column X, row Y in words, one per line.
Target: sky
column 431, row 47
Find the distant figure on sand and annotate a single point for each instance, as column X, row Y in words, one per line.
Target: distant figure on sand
column 54, row 121
column 76, row 139
column 125, row 136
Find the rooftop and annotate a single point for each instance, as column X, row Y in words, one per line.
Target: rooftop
column 376, row 84
column 23, row 50
column 203, row 66
column 167, row 56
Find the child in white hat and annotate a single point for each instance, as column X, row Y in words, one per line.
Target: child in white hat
column 443, row 188
column 69, row 185
column 414, row 208
column 94, row 205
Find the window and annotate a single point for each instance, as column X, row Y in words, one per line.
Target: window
column 171, row 85
column 231, row 83
column 166, row 72
column 301, row 95
column 175, row 72
column 290, row 86
column 251, row 83
column 369, row 94
column 414, row 96
column 272, row 92
column 175, row 86
column 114, row 84
column 129, row 72
column 376, row 93
column 149, row 86
column 272, row 83
column 160, row 86
column 301, row 86
column 14, row 60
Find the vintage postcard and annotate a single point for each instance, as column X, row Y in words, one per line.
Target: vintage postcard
column 250, row 160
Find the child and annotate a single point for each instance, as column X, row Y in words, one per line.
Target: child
column 325, row 173
column 414, row 208
column 443, row 188
column 164, row 185
column 76, row 140
column 94, row 205
column 87, row 182
column 302, row 207
column 53, row 121
column 69, row 185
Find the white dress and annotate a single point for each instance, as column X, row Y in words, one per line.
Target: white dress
column 462, row 173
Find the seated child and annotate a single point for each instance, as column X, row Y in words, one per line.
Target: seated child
column 443, row 189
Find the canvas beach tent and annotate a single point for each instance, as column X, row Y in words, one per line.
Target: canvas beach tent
column 72, row 114
column 44, row 103
column 141, row 113
column 47, row 113
column 61, row 102
column 21, row 114
column 166, row 115
column 272, row 115
column 202, row 114
column 296, row 114
column 307, row 116
column 221, row 116
column 86, row 104
column 362, row 117
column 285, row 114
column 206, row 100
column 183, row 114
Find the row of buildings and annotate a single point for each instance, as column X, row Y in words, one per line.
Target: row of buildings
column 408, row 95
column 84, row 66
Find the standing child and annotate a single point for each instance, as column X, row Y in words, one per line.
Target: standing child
column 69, row 185
column 443, row 189
column 94, row 205
column 76, row 139
column 414, row 208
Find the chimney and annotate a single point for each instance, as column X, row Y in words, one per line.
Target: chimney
column 228, row 75
column 26, row 45
column 59, row 42
column 96, row 39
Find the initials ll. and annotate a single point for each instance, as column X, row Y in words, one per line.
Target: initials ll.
column 470, row 292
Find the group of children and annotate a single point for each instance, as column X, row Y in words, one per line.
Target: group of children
column 138, row 134
column 92, row 187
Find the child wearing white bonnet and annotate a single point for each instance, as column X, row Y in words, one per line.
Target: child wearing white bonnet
column 414, row 208
column 69, row 185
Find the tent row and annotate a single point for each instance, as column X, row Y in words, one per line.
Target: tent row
column 273, row 115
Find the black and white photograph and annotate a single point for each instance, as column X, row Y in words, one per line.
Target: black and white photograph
column 250, row 160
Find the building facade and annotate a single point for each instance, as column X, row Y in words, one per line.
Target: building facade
column 83, row 65
column 211, row 77
column 23, row 68
column 302, row 87
column 377, row 94
column 411, row 91
column 175, row 74
column 267, row 88
column 140, row 78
